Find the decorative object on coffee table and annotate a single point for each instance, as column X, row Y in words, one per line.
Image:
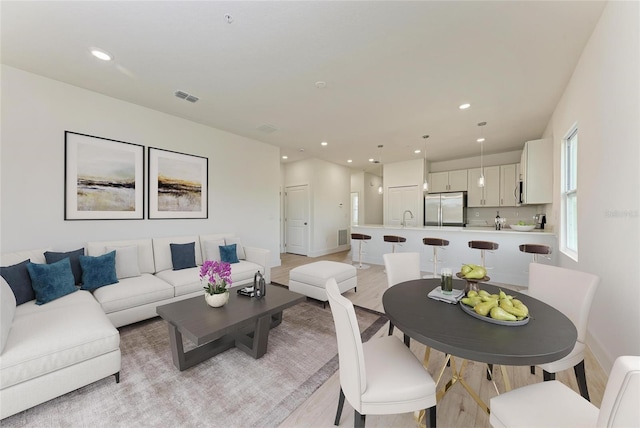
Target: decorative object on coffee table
column 217, row 276
column 217, row 300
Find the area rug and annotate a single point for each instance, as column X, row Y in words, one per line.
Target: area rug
column 228, row 390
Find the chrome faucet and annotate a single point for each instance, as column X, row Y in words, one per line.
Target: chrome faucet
column 404, row 222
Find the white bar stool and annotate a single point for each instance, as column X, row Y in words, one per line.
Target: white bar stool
column 362, row 238
column 536, row 249
column 483, row 246
column 395, row 240
column 435, row 243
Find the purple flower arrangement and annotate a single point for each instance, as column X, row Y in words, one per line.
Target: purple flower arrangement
column 217, row 275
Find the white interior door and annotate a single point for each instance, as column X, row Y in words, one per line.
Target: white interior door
column 296, row 199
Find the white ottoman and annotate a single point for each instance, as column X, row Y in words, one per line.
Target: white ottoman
column 310, row 279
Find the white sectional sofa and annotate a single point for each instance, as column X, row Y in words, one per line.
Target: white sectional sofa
column 54, row 348
column 51, row 349
column 135, row 298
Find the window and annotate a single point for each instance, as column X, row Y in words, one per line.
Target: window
column 569, row 195
column 354, row 208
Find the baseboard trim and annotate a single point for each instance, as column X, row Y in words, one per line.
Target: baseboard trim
column 599, row 352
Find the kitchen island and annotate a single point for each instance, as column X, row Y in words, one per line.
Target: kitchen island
column 507, row 264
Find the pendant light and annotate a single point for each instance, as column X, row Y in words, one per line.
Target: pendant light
column 481, row 141
column 425, row 184
column 380, row 188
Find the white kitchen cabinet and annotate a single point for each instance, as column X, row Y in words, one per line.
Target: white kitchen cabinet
column 509, row 185
column 438, row 182
column 487, row 196
column 448, row 181
column 458, row 180
column 536, row 166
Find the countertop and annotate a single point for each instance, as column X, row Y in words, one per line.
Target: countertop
column 487, row 229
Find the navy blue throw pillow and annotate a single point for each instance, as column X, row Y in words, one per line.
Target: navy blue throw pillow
column 98, row 271
column 74, row 258
column 228, row 253
column 17, row 276
column 51, row 281
column 183, row 256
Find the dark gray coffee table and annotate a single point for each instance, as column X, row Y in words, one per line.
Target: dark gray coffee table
column 244, row 323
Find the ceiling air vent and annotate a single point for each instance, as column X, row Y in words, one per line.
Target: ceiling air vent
column 185, row 96
column 267, row 129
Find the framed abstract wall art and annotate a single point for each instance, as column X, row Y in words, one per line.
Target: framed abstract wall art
column 177, row 185
column 104, row 178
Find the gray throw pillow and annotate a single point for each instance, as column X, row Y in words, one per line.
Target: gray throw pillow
column 211, row 250
column 126, row 261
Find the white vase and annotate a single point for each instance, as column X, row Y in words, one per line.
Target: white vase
column 216, row 300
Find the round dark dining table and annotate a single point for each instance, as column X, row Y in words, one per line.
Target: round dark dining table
column 548, row 336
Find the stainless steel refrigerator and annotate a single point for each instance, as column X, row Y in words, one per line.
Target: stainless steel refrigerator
column 445, row 209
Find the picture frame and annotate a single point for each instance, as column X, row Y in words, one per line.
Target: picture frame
column 104, row 178
column 178, row 185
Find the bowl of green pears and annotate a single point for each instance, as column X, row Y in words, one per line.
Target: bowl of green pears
column 502, row 308
column 522, row 226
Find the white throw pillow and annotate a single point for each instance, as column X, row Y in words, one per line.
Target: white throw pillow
column 239, row 248
column 126, row 261
column 212, row 249
column 7, row 311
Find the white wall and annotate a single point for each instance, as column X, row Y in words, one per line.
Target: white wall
column 373, row 200
column 329, row 188
column 357, row 186
column 243, row 173
column 602, row 97
column 366, row 184
column 408, row 173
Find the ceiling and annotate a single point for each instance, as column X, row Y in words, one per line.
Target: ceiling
column 393, row 71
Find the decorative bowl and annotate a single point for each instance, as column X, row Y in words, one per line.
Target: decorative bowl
column 473, row 313
column 521, row 228
column 472, row 284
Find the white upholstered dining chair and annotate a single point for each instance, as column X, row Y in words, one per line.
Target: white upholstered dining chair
column 401, row 267
column 553, row 404
column 571, row 292
column 381, row 376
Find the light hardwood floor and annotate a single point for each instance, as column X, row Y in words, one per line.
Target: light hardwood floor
column 456, row 408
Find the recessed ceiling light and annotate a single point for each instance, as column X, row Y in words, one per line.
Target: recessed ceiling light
column 324, row 143
column 321, row 84
column 371, row 160
column 480, row 140
column 464, row 106
column 349, row 160
column 416, row 151
column 285, row 157
column 101, row 54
